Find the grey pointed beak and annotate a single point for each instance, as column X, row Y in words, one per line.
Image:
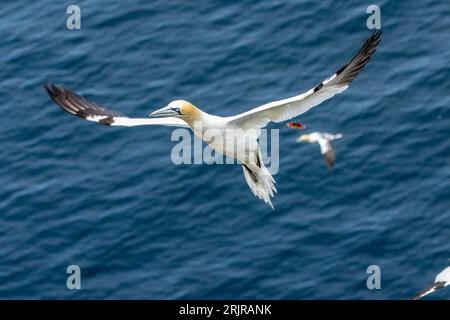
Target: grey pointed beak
column 165, row 112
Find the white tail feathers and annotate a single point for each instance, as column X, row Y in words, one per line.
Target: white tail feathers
column 260, row 182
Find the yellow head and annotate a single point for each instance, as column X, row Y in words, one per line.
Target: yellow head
column 179, row 109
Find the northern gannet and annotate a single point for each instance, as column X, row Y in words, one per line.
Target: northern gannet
column 442, row 280
column 324, row 139
column 240, row 132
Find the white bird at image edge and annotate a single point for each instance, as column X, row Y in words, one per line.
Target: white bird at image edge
column 442, row 280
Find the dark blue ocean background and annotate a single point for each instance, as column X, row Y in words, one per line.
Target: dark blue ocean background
column 111, row 201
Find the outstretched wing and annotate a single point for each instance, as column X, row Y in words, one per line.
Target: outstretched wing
column 76, row 105
column 286, row 109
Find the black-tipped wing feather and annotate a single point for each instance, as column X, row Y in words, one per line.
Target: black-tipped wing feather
column 77, row 105
column 347, row 73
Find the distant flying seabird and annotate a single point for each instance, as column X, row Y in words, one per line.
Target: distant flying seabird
column 324, row 139
column 244, row 127
column 442, row 280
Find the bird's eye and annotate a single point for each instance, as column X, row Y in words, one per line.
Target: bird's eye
column 177, row 109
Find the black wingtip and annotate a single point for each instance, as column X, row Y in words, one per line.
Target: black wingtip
column 362, row 57
column 330, row 163
column 50, row 88
column 375, row 38
column 53, row 90
column 59, row 96
column 377, row 33
column 75, row 104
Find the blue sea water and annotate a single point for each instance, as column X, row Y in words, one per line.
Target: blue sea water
column 111, row 201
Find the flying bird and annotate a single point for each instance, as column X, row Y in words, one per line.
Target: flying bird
column 324, row 140
column 442, row 280
column 240, row 132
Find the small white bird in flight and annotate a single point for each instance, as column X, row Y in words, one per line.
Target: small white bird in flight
column 324, row 139
column 442, row 280
column 239, row 133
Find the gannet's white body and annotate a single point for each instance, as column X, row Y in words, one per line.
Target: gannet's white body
column 235, row 136
column 442, row 280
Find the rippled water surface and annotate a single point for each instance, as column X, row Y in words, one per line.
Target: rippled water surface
column 111, row 201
